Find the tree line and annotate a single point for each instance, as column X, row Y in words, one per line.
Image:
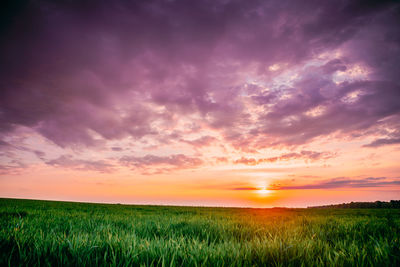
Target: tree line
column 392, row 204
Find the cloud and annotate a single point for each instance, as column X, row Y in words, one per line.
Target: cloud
column 247, row 161
column 257, row 74
column 334, row 183
column 14, row 167
column 245, row 188
column 221, row 159
column 289, row 123
column 342, row 182
column 151, row 164
column 12, row 150
column 39, row 154
column 4, row 144
column 67, row 161
column 383, row 141
column 201, row 141
column 304, row 154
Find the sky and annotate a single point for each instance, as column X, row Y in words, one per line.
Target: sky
column 206, row 103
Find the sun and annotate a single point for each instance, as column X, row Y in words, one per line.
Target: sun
column 263, row 192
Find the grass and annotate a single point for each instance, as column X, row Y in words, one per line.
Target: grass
column 49, row 233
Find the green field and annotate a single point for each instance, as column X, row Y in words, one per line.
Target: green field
column 63, row 233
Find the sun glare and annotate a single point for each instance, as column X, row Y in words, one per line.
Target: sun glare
column 263, row 192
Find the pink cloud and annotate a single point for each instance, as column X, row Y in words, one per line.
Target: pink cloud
column 151, row 164
column 83, row 77
column 304, row 155
column 67, row 161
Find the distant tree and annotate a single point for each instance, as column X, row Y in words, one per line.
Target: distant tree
column 393, row 204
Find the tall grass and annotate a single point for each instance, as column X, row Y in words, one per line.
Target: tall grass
column 70, row 234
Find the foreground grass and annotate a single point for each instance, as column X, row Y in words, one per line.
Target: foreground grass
column 61, row 233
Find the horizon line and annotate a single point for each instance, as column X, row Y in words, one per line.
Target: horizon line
column 190, row 206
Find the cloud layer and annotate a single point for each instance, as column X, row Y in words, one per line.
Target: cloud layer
column 245, row 75
column 342, row 182
column 334, row 183
column 304, row 154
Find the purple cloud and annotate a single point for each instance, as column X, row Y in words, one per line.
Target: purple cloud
column 201, row 141
column 342, row 182
column 39, row 154
column 391, row 138
column 259, row 74
column 11, row 168
column 384, row 141
column 151, row 164
column 67, row 161
column 304, row 154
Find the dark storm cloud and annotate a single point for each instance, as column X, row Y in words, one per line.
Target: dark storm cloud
column 83, row 72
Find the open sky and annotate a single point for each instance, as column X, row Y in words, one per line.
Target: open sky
column 216, row 103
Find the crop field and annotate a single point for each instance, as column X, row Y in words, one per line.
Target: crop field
column 50, row 233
